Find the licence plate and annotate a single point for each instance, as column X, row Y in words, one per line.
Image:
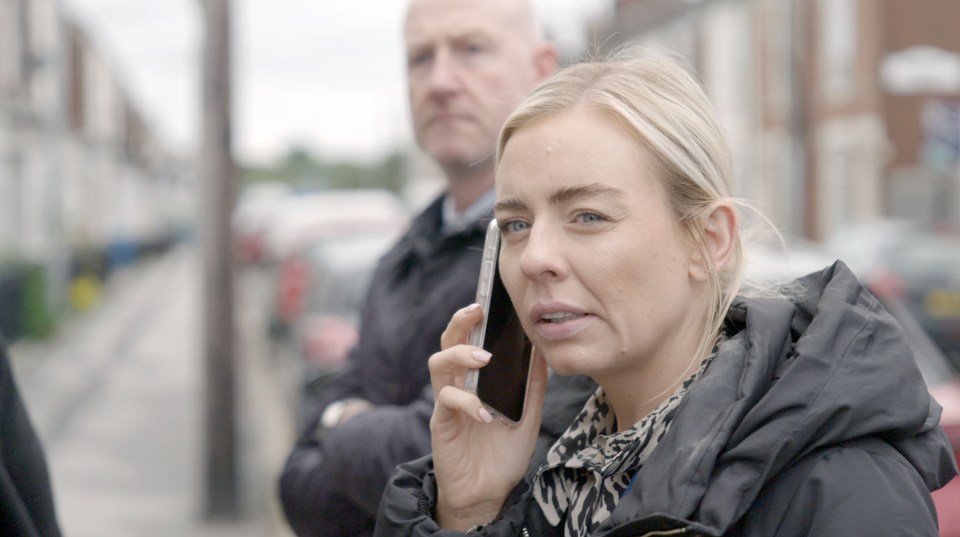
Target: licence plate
column 942, row 304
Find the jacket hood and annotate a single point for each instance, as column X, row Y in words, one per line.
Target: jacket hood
column 795, row 376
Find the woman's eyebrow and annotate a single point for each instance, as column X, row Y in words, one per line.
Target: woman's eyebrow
column 564, row 195
column 512, row 205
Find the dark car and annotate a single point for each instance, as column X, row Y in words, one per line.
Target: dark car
column 924, row 273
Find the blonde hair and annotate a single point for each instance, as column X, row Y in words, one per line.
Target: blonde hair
column 656, row 99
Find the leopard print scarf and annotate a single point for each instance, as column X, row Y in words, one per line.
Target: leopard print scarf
column 591, row 465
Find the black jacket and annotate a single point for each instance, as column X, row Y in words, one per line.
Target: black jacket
column 812, row 420
column 26, row 499
column 417, row 287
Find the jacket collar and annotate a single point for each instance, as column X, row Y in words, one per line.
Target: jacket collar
column 425, row 238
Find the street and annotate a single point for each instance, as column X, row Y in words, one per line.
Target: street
column 117, row 401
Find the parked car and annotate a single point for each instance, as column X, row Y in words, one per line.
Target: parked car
column 924, row 273
column 308, row 217
column 865, row 245
column 305, row 221
column 338, row 273
column 255, row 205
column 943, row 382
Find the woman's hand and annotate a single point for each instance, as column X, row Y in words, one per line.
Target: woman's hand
column 477, row 460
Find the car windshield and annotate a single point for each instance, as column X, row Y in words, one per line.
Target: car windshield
column 341, row 272
column 342, row 292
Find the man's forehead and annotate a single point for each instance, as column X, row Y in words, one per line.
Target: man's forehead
column 428, row 19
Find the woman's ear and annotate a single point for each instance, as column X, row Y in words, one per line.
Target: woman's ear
column 720, row 225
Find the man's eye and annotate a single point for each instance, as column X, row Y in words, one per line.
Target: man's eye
column 419, row 59
column 589, row 218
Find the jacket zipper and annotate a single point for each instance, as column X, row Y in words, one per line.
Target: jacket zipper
column 664, row 533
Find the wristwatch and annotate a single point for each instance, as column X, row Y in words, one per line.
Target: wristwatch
column 332, row 414
column 329, row 419
column 338, row 412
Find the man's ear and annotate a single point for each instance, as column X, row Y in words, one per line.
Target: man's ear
column 721, row 226
column 545, row 60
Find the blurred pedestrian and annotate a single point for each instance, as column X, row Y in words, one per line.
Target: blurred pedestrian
column 26, row 498
column 799, row 414
column 468, row 64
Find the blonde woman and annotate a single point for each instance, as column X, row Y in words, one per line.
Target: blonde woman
column 716, row 414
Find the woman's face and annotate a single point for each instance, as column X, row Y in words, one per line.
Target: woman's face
column 591, row 255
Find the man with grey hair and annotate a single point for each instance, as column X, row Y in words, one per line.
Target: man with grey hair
column 469, row 63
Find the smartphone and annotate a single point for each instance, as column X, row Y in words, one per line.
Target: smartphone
column 502, row 384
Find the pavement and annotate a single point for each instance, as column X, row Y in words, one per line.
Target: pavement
column 117, row 400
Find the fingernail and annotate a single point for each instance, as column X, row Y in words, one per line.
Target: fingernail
column 481, row 355
column 485, row 416
column 471, row 308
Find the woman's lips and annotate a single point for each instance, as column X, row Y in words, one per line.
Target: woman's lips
column 557, row 321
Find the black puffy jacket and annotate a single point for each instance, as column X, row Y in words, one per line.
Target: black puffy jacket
column 812, row 420
column 26, row 498
column 415, row 290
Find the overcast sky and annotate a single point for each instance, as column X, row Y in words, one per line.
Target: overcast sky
column 324, row 74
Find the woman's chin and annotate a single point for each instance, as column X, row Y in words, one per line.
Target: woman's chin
column 567, row 363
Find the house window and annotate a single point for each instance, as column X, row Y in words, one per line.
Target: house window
column 838, row 48
column 778, row 32
column 9, row 47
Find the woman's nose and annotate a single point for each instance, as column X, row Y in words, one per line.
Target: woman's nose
column 542, row 256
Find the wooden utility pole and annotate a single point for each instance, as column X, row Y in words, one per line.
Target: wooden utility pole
column 219, row 192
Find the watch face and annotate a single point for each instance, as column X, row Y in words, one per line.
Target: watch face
column 331, row 416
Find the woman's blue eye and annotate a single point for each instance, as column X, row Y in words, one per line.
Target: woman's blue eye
column 513, row 226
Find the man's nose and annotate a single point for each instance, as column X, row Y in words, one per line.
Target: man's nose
column 444, row 73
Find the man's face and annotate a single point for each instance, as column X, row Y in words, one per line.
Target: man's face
column 468, row 66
